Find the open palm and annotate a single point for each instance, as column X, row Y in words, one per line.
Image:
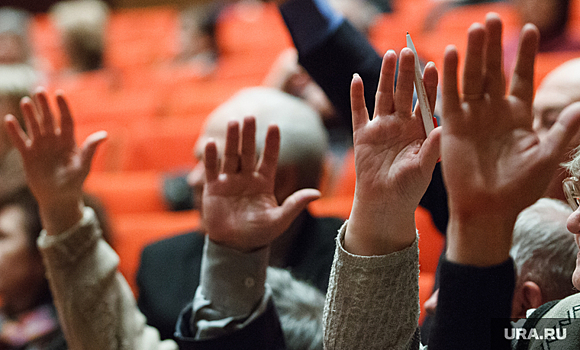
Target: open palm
column 55, row 166
column 239, row 207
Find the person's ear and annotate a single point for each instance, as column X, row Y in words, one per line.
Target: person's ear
column 532, row 294
column 527, row 296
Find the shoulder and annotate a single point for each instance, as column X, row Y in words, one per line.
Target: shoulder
column 190, row 243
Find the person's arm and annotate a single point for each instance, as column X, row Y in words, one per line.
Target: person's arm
column 232, row 307
column 376, row 264
column 332, row 50
column 95, row 305
column 494, row 166
column 241, row 217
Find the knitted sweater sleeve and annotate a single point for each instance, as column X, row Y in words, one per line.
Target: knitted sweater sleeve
column 372, row 302
column 95, row 305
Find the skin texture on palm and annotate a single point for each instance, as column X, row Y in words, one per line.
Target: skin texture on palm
column 494, row 163
column 55, row 166
column 240, row 210
column 393, row 159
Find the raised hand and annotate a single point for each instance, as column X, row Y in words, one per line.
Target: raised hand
column 393, row 159
column 55, row 166
column 239, row 208
column 494, row 164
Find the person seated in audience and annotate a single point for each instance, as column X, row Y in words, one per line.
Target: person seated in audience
column 82, row 27
column 559, row 89
column 93, row 300
column 14, row 46
column 16, row 82
column 197, row 37
column 494, row 166
column 544, row 253
column 28, row 318
column 306, row 248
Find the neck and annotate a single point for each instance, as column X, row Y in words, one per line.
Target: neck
column 282, row 245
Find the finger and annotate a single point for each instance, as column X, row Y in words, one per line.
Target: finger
column 473, row 69
column 522, row 84
column 269, row 159
column 566, row 126
column 384, row 97
column 46, row 118
column 360, row 114
column 295, row 204
column 90, row 147
column 29, row 113
column 231, row 157
column 451, row 104
column 17, row 136
column 66, row 120
column 494, row 77
column 405, row 81
column 430, row 151
column 248, row 151
column 211, row 161
column 430, row 77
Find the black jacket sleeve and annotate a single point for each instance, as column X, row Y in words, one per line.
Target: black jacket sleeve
column 264, row 333
column 474, row 307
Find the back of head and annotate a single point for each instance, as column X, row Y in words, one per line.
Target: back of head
column 18, row 81
column 14, row 46
column 303, row 138
column 300, row 308
column 543, row 249
column 82, row 24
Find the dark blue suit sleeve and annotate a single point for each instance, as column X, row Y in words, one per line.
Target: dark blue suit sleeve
column 264, row 333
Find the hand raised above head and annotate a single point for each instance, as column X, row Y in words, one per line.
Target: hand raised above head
column 494, row 164
column 239, row 209
column 394, row 160
column 55, row 166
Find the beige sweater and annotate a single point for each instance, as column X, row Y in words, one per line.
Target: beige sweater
column 96, row 307
column 372, row 302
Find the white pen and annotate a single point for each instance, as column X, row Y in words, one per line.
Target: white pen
column 421, row 93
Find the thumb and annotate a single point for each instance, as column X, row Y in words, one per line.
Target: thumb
column 90, row 147
column 431, row 149
column 295, row 204
column 564, row 129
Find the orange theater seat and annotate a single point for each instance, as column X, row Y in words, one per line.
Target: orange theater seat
column 127, row 192
column 431, row 241
column 331, row 207
column 166, row 146
column 251, row 27
column 135, row 231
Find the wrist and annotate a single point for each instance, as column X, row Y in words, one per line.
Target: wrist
column 482, row 240
column 378, row 230
column 58, row 216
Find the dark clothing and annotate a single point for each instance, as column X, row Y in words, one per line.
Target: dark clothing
column 469, row 299
column 264, row 333
column 169, row 272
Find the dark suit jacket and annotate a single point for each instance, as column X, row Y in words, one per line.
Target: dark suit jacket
column 169, row 272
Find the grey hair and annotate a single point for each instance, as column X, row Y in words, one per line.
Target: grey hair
column 303, row 137
column 299, row 307
column 573, row 166
column 544, row 251
column 14, row 21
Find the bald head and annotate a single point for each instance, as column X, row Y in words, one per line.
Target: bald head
column 303, row 136
column 559, row 89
